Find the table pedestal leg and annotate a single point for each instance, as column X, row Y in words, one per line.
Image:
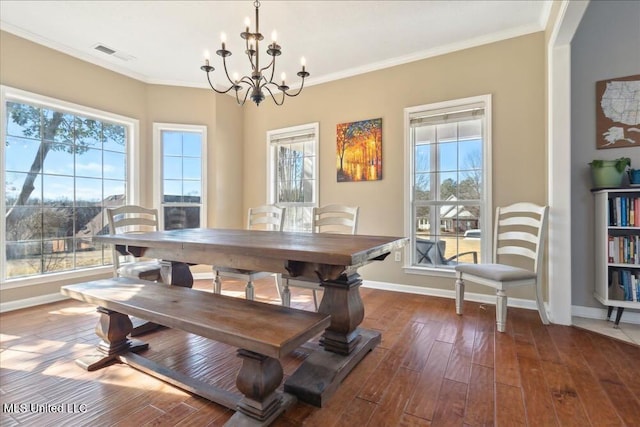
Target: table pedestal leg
column 258, row 380
column 176, row 273
column 112, row 328
column 344, row 343
column 342, row 301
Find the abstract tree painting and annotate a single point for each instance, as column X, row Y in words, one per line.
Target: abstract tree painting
column 359, row 150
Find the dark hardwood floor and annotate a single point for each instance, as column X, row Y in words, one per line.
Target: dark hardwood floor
column 433, row 368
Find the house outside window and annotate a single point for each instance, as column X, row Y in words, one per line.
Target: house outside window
column 180, row 164
column 448, row 182
column 63, row 165
column 292, row 180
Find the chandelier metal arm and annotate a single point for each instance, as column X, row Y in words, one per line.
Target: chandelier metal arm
column 298, row 92
column 226, row 71
column 272, row 96
column 271, row 65
column 247, row 80
column 246, row 94
column 250, row 52
column 222, row 92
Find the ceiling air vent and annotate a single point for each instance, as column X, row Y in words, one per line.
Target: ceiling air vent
column 112, row 52
column 104, row 49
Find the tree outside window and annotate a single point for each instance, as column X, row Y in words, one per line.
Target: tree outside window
column 61, row 171
column 449, row 146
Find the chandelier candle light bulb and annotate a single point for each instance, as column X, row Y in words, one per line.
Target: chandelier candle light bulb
column 260, row 80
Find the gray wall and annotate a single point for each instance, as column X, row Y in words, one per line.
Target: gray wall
column 606, row 45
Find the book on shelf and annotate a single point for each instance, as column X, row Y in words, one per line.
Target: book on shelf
column 624, row 211
column 612, row 248
column 624, row 249
column 625, row 285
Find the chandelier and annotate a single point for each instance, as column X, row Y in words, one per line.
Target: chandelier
column 256, row 84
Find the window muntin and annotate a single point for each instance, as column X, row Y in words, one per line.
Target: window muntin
column 448, row 191
column 293, row 173
column 180, row 161
column 62, row 166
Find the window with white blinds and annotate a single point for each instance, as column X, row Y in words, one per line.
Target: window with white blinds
column 293, row 173
column 448, row 182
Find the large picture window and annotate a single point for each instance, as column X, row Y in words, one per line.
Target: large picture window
column 448, row 191
column 62, row 166
column 181, row 153
column 293, row 173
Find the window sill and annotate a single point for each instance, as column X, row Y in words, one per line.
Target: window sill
column 427, row 271
column 56, row 277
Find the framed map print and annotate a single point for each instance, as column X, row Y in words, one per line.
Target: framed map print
column 618, row 112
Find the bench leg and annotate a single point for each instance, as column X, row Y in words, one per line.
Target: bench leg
column 257, row 380
column 112, row 328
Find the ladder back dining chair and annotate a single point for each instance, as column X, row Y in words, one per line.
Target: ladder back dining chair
column 519, row 236
column 339, row 219
column 265, row 217
column 135, row 219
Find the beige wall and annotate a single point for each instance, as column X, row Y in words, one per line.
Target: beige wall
column 228, row 170
column 512, row 71
column 32, row 67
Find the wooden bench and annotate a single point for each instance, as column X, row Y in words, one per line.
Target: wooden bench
column 264, row 333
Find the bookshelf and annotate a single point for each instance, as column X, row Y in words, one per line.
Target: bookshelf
column 617, row 249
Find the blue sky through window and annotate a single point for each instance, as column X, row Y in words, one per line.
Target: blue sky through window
column 181, row 165
column 62, row 163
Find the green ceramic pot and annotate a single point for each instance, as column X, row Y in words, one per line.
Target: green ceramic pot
column 606, row 175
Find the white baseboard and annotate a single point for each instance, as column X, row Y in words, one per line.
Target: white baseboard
column 31, row 302
column 445, row 293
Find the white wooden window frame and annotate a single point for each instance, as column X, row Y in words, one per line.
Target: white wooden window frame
column 9, row 94
column 274, row 135
column 158, row 173
column 485, row 201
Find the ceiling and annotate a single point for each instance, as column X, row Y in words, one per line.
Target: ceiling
column 163, row 42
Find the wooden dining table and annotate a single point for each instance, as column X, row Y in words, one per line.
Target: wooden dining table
column 334, row 259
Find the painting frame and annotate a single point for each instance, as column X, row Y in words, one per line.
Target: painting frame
column 359, row 150
column 618, row 112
